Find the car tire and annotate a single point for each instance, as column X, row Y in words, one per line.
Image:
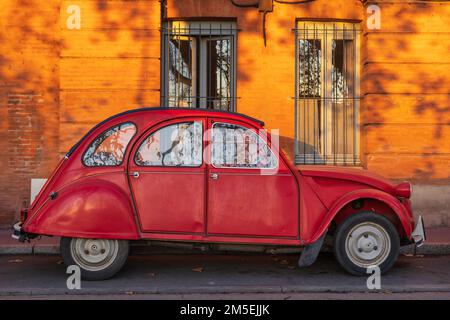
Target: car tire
column 364, row 240
column 98, row 259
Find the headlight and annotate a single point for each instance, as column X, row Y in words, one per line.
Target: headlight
column 403, row 190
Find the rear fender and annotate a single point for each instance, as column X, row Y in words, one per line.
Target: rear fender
column 403, row 216
column 87, row 208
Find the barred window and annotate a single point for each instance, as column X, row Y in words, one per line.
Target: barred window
column 176, row 145
column 327, row 93
column 198, row 65
column 108, row 149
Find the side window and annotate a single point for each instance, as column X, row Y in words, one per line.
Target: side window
column 177, row 145
column 238, row 147
column 109, row 147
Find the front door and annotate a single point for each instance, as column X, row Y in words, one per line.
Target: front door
column 251, row 191
column 167, row 177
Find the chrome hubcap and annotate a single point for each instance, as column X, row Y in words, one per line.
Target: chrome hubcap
column 367, row 244
column 94, row 254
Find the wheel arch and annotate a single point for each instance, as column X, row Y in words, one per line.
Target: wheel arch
column 373, row 200
column 90, row 207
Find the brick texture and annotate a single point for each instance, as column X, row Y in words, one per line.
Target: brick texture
column 29, row 99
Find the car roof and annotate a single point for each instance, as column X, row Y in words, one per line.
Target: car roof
column 200, row 111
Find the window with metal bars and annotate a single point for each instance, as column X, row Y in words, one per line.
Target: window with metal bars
column 327, row 93
column 198, row 64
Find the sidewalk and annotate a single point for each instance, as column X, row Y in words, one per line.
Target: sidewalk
column 438, row 243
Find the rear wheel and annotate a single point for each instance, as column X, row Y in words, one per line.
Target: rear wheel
column 364, row 240
column 98, row 259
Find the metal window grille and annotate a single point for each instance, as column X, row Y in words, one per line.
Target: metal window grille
column 198, row 64
column 327, row 93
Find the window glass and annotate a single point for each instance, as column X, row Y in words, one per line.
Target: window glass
column 109, row 148
column 238, row 147
column 177, row 145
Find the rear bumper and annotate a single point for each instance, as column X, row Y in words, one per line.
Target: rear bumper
column 418, row 235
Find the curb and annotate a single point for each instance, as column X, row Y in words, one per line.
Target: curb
column 141, row 249
column 427, row 249
column 222, row 290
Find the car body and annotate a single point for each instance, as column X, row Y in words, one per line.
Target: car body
column 199, row 175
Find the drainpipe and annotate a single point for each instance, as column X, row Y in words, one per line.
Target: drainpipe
column 265, row 6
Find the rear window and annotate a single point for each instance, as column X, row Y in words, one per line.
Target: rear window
column 108, row 149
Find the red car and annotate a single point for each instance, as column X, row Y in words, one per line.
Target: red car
column 210, row 177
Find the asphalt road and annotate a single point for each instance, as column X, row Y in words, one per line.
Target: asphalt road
column 202, row 276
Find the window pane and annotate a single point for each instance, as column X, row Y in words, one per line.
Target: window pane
column 218, row 74
column 109, row 148
column 310, row 68
column 239, row 147
column 175, row 145
column 180, row 71
column 342, row 93
column 342, row 68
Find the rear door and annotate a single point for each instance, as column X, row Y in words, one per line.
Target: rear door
column 167, row 177
column 251, row 191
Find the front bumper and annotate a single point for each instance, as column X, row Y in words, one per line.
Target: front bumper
column 418, row 235
column 19, row 233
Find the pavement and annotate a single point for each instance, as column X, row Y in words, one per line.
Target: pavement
column 244, row 296
column 438, row 243
column 230, row 276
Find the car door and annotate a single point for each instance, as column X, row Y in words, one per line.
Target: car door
column 167, row 177
column 251, row 191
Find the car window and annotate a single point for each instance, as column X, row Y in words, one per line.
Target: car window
column 176, row 145
column 109, row 148
column 239, row 147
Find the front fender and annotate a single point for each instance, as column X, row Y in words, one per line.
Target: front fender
column 87, row 208
column 401, row 212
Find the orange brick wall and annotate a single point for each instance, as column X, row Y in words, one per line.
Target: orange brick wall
column 406, row 82
column 29, row 98
column 56, row 83
column 110, row 65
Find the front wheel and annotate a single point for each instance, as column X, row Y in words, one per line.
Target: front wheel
column 98, row 259
column 364, row 240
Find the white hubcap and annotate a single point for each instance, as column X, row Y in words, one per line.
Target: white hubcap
column 94, row 254
column 367, row 244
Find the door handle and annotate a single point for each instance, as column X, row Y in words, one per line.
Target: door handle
column 135, row 174
column 214, row 176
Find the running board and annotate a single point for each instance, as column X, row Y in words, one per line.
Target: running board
column 310, row 252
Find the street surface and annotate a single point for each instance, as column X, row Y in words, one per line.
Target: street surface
column 200, row 276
